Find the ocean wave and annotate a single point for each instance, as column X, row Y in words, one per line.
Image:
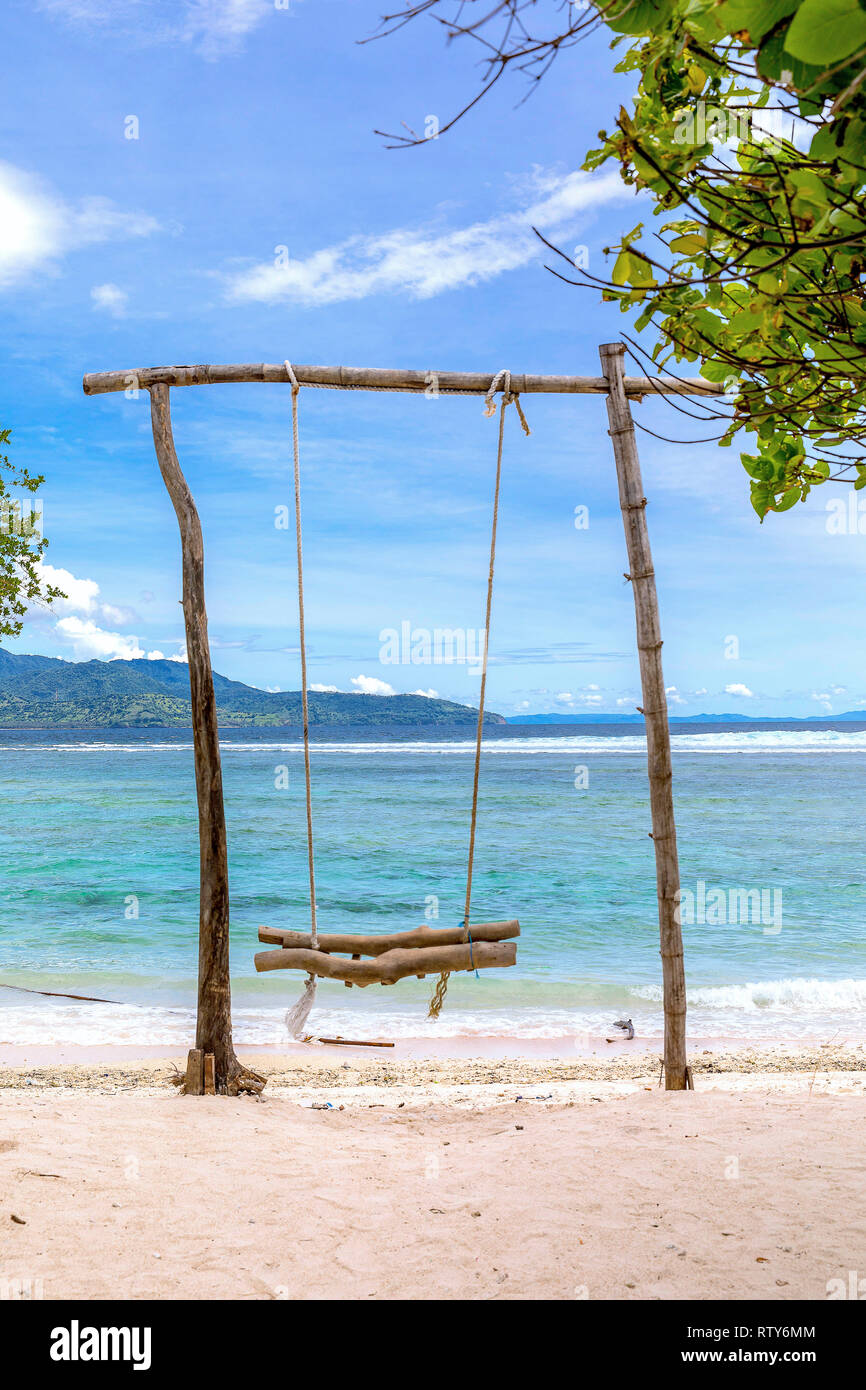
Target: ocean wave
column 744, row 741
column 792, row 995
column 793, row 1009
column 119, row 1025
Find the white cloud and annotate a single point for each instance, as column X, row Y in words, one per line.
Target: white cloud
column 428, row 694
column 674, row 696
column 90, row 11
column 88, row 640
column 220, row 26
column 422, row 262
column 112, row 614
column 82, row 595
column 324, row 689
column 702, row 691
column 37, row 227
column 565, row 697
column 740, row 690
column 214, row 27
column 111, row 298
column 370, row 685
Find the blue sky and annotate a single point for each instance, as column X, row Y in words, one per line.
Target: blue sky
column 254, row 129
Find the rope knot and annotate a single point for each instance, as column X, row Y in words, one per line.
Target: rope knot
column 509, row 397
column 489, row 402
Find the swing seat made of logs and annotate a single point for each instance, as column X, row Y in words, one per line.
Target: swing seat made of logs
column 423, row 951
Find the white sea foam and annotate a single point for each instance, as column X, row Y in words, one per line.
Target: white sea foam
column 770, row 1009
column 790, row 996
column 739, row 741
column 118, row 1025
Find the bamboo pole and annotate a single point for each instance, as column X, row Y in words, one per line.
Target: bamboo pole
column 214, row 1019
column 655, row 711
column 385, row 379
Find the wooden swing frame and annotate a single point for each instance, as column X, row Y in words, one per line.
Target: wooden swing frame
column 213, row 1018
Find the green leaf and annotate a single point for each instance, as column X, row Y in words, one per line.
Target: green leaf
column 716, row 371
column 823, row 31
column 619, row 274
column 634, row 16
column 774, row 60
column 690, row 245
column 757, row 17
column 631, row 268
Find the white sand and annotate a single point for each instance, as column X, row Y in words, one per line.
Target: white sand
column 434, row 1186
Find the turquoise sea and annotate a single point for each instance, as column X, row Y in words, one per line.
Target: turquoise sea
column 100, row 864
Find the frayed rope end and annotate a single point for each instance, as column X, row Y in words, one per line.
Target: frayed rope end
column 297, row 1015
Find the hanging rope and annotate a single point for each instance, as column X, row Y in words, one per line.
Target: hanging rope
column 438, row 997
column 297, row 1015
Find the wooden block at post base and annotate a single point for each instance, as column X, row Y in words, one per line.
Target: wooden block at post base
column 194, row 1084
column 209, row 1074
column 393, row 965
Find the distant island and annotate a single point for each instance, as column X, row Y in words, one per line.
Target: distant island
column 774, row 719
column 46, row 692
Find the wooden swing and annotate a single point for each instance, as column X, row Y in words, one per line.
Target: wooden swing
column 424, row 950
column 213, row 1011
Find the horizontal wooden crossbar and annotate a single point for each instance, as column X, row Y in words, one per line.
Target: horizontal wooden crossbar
column 393, row 965
column 387, row 379
column 417, row 938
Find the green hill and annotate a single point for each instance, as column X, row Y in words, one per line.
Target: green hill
column 46, row 692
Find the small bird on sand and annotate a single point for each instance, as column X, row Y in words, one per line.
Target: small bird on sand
column 626, row 1028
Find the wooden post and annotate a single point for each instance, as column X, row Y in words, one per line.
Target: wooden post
column 209, row 1075
column 655, row 711
column 214, row 1019
column 194, row 1083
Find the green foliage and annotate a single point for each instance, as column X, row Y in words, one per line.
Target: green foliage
column 21, row 549
column 757, row 269
column 756, row 266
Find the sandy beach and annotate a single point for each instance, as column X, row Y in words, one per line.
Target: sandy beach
column 370, row 1177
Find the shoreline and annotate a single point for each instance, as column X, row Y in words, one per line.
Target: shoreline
column 360, row 1075
column 464, row 1047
